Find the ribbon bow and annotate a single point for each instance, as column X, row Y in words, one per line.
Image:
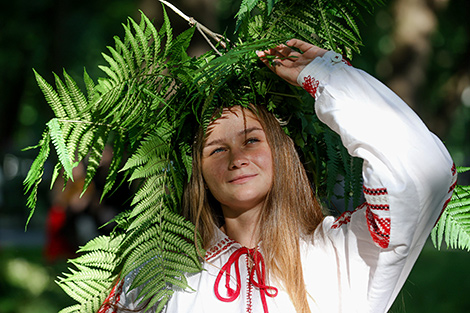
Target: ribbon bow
column 257, row 267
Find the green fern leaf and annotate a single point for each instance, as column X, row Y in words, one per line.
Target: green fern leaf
column 35, row 173
column 122, row 49
column 86, row 274
column 149, row 193
column 135, row 50
column 104, row 243
column 180, row 45
column 97, row 259
column 161, row 298
column 71, row 309
column 51, row 96
column 118, row 151
column 90, row 88
column 155, row 144
column 166, row 29
column 154, row 36
column 79, row 137
column 66, row 99
column 55, row 174
column 95, row 155
column 111, row 74
column 333, row 160
column 78, row 98
column 143, row 42
column 117, row 63
column 78, row 294
column 453, row 226
column 60, row 146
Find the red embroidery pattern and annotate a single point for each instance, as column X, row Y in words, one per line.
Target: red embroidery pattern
column 113, row 298
column 345, row 217
column 220, row 247
column 310, row 84
column 451, row 190
column 375, row 192
column 345, row 61
column 249, row 289
column 379, row 228
column 378, row 215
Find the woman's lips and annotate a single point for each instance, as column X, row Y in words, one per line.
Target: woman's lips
column 242, row 179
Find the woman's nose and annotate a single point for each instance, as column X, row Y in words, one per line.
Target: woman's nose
column 238, row 159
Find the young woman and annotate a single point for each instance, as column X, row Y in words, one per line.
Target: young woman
column 269, row 249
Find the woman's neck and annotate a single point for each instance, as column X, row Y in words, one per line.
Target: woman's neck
column 243, row 227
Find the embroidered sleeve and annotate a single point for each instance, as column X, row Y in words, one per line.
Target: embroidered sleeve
column 407, row 175
column 401, row 156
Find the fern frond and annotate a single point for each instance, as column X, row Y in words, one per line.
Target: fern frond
column 149, row 193
column 453, row 226
column 77, row 97
column 90, row 88
column 95, row 154
column 180, row 45
column 333, row 160
column 136, row 51
column 115, row 165
column 35, row 173
column 79, row 137
column 71, row 309
column 97, row 259
column 155, row 144
column 76, row 293
column 104, row 243
column 51, row 96
column 65, row 97
column 143, row 42
column 60, row 146
column 161, row 298
column 86, row 274
column 166, row 30
column 122, row 49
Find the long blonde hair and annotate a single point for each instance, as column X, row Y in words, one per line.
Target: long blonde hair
column 290, row 211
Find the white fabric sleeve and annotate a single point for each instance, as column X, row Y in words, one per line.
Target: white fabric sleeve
column 408, row 174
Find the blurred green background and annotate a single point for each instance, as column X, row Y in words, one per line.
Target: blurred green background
column 420, row 48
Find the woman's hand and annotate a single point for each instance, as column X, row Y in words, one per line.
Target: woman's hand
column 288, row 63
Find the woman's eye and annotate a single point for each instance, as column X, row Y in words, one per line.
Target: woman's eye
column 218, row 150
column 251, row 141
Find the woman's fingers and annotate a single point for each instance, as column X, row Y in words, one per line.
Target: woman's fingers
column 299, row 44
column 287, row 62
column 308, row 50
column 262, row 55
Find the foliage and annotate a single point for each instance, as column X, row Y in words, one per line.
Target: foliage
column 110, row 113
column 454, row 225
column 147, row 106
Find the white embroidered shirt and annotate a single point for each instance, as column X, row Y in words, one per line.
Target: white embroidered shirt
column 359, row 261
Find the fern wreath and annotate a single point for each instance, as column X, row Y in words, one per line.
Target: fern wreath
column 146, row 106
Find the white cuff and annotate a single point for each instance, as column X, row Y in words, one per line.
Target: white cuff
column 320, row 67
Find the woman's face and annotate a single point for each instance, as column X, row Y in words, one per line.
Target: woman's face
column 237, row 162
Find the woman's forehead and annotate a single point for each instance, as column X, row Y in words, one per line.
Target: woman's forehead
column 234, row 119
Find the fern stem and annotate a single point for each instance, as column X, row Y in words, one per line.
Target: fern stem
column 91, row 123
column 283, row 94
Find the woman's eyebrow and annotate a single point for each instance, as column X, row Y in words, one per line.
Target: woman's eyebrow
column 243, row 132
column 246, row 131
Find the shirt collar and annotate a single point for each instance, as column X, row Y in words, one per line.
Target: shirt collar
column 222, row 244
